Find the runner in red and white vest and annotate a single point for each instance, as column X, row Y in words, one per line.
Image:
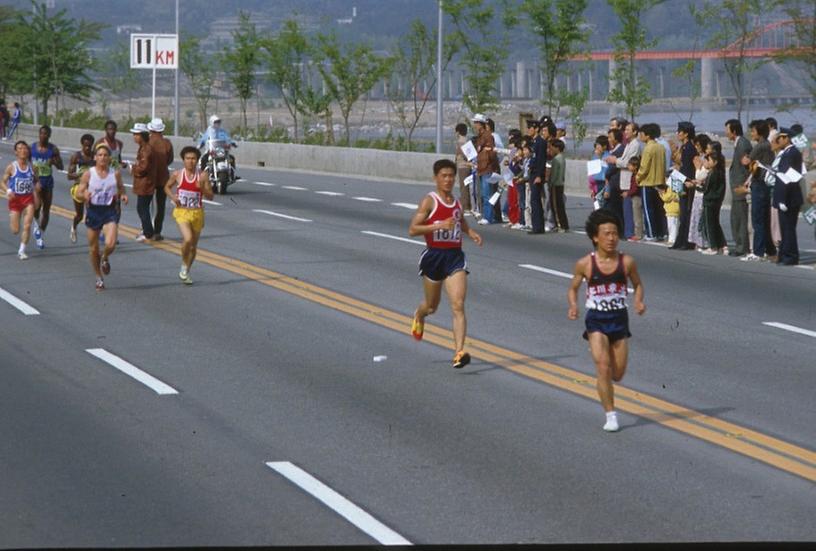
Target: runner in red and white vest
column 20, row 184
column 193, row 187
column 439, row 218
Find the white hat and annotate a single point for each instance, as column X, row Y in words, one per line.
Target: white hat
column 478, row 117
column 215, row 118
column 156, row 125
column 139, row 128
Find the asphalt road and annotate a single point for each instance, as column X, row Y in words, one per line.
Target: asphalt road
column 270, row 357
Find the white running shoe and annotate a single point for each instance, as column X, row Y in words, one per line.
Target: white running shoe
column 611, row 422
column 482, row 222
column 73, row 235
column 750, row 257
column 40, row 243
column 141, row 238
column 183, row 273
column 22, row 256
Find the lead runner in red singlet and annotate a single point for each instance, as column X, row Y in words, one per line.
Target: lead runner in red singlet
column 607, row 272
column 193, row 187
column 439, row 218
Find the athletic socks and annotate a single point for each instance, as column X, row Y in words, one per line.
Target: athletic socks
column 611, row 422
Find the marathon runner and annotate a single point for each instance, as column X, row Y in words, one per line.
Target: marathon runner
column 440, row 219
column 79, row 164
column 101, row 187
column 114, row 144
column 606, row 271
column 20, row 185
column 44, row 156
column 193, row 185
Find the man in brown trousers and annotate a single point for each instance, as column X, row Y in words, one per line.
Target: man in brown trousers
column 162, row 159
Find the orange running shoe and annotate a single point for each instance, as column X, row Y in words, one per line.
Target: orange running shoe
column 461, row 359
column 417, row 328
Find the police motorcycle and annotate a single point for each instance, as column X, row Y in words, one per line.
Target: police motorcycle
column 217, row 160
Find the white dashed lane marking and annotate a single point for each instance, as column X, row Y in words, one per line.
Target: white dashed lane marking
column 411, row 206
column 22, row 306
column 791, row 328
column 338, row 503
column 556, row 273
column 368, row 199
column 132, row 371
column 394, row 237
column 295, row 188
column 279, row 215
column 330, row 193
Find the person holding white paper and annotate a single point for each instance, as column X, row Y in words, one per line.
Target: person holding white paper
column 787, row 197
column 463, row 167
column 487, row 163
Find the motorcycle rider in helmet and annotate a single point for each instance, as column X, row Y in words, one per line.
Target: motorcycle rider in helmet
column 215, row 132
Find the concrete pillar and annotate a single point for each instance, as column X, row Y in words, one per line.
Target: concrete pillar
column 719, row 93
column 521, row 80
column 707, row 78
column 541, row 90
column 613, row 65
column 449, row 76
column 463, row 85
column 591, row 88
column 580, row 81
column 662, row 77
column 513, row 82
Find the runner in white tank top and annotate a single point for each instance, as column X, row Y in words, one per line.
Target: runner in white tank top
column 101, row 188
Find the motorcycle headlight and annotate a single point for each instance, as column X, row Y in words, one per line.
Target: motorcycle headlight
column 220, row 151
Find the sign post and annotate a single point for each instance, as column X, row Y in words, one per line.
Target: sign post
column 154, row 51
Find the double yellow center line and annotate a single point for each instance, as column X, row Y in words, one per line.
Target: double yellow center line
column 773, row 451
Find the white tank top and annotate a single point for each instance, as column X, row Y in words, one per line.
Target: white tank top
column 103, row 190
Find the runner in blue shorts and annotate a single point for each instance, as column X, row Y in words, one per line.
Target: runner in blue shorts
column 45, row 157
column 607, row 273
column 440, row 219
column 101, row 188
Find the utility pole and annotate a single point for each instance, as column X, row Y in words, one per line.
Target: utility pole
column 176, row 122
column 439, row 82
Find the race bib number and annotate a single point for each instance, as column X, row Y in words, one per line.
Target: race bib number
column 189, row 199
column 102, row 197
column 609, row 305
column 24, row 186
column 449, row 236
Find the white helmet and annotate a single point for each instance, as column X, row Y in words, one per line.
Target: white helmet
column 214, row 119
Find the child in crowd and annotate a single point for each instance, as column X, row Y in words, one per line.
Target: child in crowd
column 671, row 205
column 601, row 152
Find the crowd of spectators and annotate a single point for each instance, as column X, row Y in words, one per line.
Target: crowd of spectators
column 667, row 191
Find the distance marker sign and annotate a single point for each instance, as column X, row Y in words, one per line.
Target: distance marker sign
column 154, row 51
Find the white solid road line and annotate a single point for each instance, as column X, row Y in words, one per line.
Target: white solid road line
column 265, row 184
column 296, row 188
column 132, row 371
column 411, row 206
column 339, row 504
column 368, row 199
column 279, row 215
column 19, row 304
column 330, row 193
column 216, row 203
column 396, row 238
column 791, row 328
column 556, row 273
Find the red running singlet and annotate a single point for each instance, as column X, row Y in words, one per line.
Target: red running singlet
column 441, row 238
column 189, row 194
